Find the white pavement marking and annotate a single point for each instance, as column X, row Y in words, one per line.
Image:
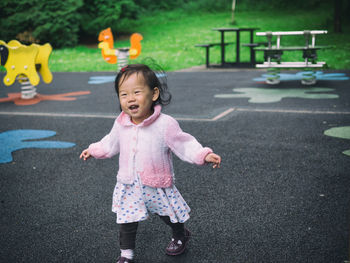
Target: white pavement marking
column 217, row 117
column 223, row 114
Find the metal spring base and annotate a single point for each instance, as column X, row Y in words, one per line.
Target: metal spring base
column 28, row 91
column 309, row 78
column 122, row 58
column 272, row 76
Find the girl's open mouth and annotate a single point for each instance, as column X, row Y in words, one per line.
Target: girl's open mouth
column 133, row 108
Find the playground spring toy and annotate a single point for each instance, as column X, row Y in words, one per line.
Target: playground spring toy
column 273, row 55
column 119, row 55
column 24, row 63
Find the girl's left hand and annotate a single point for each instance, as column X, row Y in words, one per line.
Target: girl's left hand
column 85, row 154
column 213, row 158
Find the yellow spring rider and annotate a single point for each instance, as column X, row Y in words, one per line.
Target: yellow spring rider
column 24, row 63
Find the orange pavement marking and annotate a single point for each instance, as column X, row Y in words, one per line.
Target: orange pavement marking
column 16, row 98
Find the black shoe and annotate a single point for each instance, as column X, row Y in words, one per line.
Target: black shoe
column 177, row 246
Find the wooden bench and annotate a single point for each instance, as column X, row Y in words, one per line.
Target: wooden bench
column 207, row 47
column 273, row 53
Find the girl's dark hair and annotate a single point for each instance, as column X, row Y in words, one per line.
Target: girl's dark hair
column 153, row 78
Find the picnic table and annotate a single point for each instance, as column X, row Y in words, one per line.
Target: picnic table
column 223, row 44
column 238, row 45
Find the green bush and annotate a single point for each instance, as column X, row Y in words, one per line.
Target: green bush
column 61, row 22
column 100, row 14
column 15, row 18
column 56, row 22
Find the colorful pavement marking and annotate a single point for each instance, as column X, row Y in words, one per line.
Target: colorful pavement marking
column 299, row 76
column 101, row 79
column 14, row 140
column 16, row 98
column 269, row 95
column 340, row 132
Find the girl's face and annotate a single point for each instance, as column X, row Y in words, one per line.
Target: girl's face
column 136, row 98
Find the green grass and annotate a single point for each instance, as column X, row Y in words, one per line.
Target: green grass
column 170, row 39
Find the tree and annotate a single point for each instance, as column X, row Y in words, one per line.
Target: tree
column 233, row 11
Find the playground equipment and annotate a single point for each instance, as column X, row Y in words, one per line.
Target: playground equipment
column 119, row 55
column 23, row 63
column 273, row 55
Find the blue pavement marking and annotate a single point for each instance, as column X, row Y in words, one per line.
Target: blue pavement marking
column 101, row 79
column 14, row 140
column 269, row 95
column 108, row 79
column 299, row 76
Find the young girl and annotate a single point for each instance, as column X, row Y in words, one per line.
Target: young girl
column 144, row 138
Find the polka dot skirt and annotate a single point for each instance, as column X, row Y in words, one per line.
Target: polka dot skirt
column 133, row 203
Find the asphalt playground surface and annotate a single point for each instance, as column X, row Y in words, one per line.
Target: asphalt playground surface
column 282, row 193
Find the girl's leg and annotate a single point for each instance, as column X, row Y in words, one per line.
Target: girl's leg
column 181, row 236
column 127, row 235
column 127, row 239
column 177, row 228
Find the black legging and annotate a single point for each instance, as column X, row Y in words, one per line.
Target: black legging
column 127, row 232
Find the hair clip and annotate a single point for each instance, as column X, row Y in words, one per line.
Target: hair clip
column 124, row 68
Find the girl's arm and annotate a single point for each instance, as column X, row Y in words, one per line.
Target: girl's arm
column 186, row 147
column 105, row 148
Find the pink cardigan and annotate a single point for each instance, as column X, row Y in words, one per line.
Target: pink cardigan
column 146, row 148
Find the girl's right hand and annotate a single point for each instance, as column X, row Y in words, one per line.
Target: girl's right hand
column 214, row 159
column 85, row 154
